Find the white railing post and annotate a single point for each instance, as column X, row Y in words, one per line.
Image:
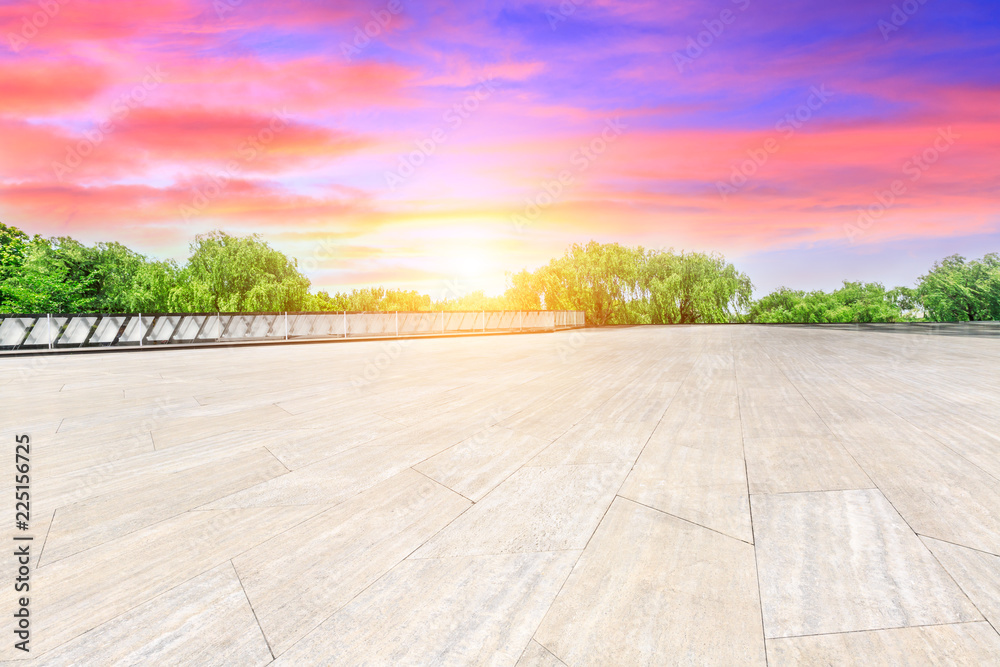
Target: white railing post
column 484, row 321
column 442, row 321
column 345, row 324
column 520, row 320
column 141, row 336
column 286, row 325
column 48, row 328
column 397, row 324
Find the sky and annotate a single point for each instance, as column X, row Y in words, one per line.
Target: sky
column 436, row 145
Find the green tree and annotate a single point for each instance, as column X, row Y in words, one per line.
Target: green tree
column 854, row 302
column 907, row 300
column 958, row 290
column 600, row 279
column 694, row 287
column 238, row 274
column 124, row 281
column 51, row 278
column 371, row 299
column 522, row 292
column 13, row 245
column 778, row 307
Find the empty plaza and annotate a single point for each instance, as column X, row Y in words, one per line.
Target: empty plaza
column 731, row 495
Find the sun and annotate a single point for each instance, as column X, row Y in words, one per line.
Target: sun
column 469, row 263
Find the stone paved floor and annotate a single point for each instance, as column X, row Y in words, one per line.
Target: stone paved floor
column 638, row 496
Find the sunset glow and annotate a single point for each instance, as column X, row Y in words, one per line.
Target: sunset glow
column 410, row 143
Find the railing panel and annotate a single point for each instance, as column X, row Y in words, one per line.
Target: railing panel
column 72, row 331
column 161, row 329
column 122, row 330
column 13, row 330
column 186, row 328
column 107, row 329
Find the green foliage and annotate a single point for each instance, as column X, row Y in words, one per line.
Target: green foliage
column 473, row 301
column 600, row 279
column 777, row 307
column 51, row 278
column 238, row 274
column 372, row 299
column 63, row 275
column 521, row 292
column 907, row 300
column 958, row 290
column 611, row 283
column 694, row 287
column 852, row 303
column 615, row 284
column 126, row 282
column 13, row 244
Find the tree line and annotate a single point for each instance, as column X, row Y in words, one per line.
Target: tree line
column 611, row 283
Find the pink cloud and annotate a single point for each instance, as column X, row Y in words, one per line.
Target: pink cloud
column 36, row 86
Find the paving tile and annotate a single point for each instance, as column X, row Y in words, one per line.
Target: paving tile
column 801, row 463
column 976, row 572
column 596, row 443
column 705, row 431
column 173, row 432
column 65, row 453
column 679, row 593
column 123, row 475
column 161, row 431
column 475, row 466
column 636, row 402
column 298, row 579
column 446, row 611
column 204, row 621
column 535, row 509
column 938, row 493
column 92, row 587
column 975, row 438
column 537, row 655
column 960, row 644
column 706, row 488
column 98, row 520
column 843, row 561
column 299, row 448
column 705, row 399
column 331, row 480
column 768, row 414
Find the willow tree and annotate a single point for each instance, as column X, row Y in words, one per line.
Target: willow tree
column 238, row 274
column 693, row 287
column 959, row 290
column 601, row 279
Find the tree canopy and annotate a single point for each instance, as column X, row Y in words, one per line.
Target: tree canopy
column 238, row 274
column 854, row 302
column 957, row 290
column 611, row 283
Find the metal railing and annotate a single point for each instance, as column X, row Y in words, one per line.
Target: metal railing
column 924, row 328
column 48, row 331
